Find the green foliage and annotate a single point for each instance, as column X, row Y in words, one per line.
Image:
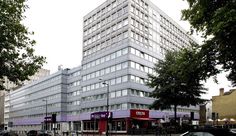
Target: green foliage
column 17, row 58
column 178, row 80
column 216, row 19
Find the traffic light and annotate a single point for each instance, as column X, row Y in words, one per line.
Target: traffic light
column 54, row 118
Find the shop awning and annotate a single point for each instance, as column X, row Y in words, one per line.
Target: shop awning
column 143, row 118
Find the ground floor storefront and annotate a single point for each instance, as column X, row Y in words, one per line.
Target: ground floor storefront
column 132, row 121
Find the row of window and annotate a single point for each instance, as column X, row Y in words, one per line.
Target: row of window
column 168, row 45
column 73, row 84
column 103, row 10
column 154, row 14
column 141, row 67
column 38, row 93
column 75, row 74
column 75, row 93
column 173, row 28
column 114, row 94
column 143, row 55
column 34, row 87
column 117, row 125
column 106, row 58
column 77, row 102
column 106, row 31
column 138, row 106
column 36, row 101
column 113, row 81
column 107, row 70
column 35, row 116
column 139, row 93
column 29, row 110
column 175, row 39
column 135, row 10
column 106, row 43
column 123, row 106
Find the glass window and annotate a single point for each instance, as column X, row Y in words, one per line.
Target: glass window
column 141, row 67
column 88, row 87
column 84, row 78
column 113, row 81
column 107, row 70
column 88, row 76
column 141, row 94
column 124, row 51
column 141, row 81
column 97, row 73
column 124, row 92
column 118, row 67
column 107, row 57
column 132, row 50
column 92, row 86
column 118, row 94
column 84, row 89
column 113, row 94
column 113, row 68
column 97, row 85
column 92, row 75
column 124, row 106
column 102, row 59
column 125, row 22
column 132, row 78
column 97, row 61
column 118, row 53
column 118, row 80
column 124, row 65
column 137, row 66
column 137, row 79
column 102, row 72
column 132, row 64
column 113, row 55
column 124, row 78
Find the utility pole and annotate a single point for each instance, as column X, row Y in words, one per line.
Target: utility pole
column 107, row 118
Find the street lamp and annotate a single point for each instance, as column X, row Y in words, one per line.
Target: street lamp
column 46, row 113
column 107, row 84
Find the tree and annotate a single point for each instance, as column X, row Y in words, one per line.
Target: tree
column 177, row 81
column 17, row 58
column 216, row 19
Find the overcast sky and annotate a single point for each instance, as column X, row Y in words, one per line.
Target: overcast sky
column 58, row 27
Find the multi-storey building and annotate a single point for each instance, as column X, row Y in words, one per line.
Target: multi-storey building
column 122, row 41
column 10, row 86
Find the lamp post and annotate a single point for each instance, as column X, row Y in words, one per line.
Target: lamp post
column 107, row 84
column 46, row 113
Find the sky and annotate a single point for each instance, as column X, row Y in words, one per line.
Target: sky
column 58, row 28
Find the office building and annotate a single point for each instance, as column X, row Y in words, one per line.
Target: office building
column 122, row 40
column 11, row 86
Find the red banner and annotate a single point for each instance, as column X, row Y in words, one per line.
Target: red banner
column 139, row 113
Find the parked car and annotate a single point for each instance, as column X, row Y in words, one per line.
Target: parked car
column 32, row 133
column 8, row 133
column 209, row 132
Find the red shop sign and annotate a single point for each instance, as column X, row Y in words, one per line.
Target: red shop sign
column 139, row 113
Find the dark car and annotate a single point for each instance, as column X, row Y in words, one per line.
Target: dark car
column 209, row 132
column 32, row 133
column 8, row 133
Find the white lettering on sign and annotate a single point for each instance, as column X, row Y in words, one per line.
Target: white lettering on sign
column 140, row 113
